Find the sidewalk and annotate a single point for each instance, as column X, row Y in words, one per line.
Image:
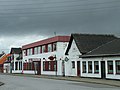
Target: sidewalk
column 77, row 79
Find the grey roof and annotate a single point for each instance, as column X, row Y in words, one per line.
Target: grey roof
column 88, row 42
column 111, row 48
column 1, row 55
column 16, row 51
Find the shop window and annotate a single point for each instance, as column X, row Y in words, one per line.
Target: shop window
column 28, row 66
column 84, row 66
column 16, row 65
column 21, row 65
column 89, row 66
column 117, row 67
column 12, row 64
column 49, row 65
column 43, row 65
column 110, row 67
column 96, row 67
column 55, row 65
column 73, row 64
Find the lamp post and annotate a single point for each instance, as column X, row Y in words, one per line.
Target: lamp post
column 56, row 66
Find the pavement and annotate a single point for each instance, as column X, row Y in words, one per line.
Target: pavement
column 77, row 79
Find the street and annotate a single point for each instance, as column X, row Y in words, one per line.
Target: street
column 29, row 83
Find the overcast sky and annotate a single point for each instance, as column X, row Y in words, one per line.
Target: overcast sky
column 25, row 21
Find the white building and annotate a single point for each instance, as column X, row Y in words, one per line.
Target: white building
column 13, row 62
column 102, row 62
column 80, row 44
column 45, row 56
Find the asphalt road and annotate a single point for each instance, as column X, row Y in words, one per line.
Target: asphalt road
column 29, row 83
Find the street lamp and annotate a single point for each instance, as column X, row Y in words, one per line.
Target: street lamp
column 56, row 66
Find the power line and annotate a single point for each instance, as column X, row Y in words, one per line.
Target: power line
column 64, row 10
column 56, row 7
column 74, row 12
column 61, row 6
column 42, row 2
column 26, row 4
column 38, row 3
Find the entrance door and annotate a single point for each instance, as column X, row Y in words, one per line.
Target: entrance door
column 39, row 68
column 103, row 70
column 78, row 68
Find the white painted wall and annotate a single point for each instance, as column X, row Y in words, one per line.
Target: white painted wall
column 6, row 68
column 15, row 60
column 90, row 74
column 61, row 46
column 73, row 55
column 109, row 76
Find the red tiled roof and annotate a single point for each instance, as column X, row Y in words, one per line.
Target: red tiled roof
column 47, row 41
column 3, row 59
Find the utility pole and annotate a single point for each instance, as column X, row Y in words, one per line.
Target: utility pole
column 56, row 66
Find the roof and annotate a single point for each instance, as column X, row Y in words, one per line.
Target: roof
column 47, row 41
column 4, row 58
column 88, row 42
column 1, row 55
column 16, row 51
column 111, row 48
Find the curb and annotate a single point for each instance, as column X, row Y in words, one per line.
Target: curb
column 67, row 79
column 80, row 81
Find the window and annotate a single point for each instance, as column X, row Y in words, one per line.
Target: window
column 28, row 66
column 73, row 64
column 39, row 49
column 89, row 66
column 21, row 65
column 117, row 67
column 54, row 46
column 43, row 65
column 33, row 51
column 84, row 66
column 49, row 66
column 43, row 49
column 16, row 65
column 30, row 51
column 36, row 50
column 55, row 65
column 96, row 67
column 49, row 48
column 110, row 67
column 12, row 64
column 27, row 51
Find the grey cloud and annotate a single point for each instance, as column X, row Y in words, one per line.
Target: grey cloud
column 27, row 17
